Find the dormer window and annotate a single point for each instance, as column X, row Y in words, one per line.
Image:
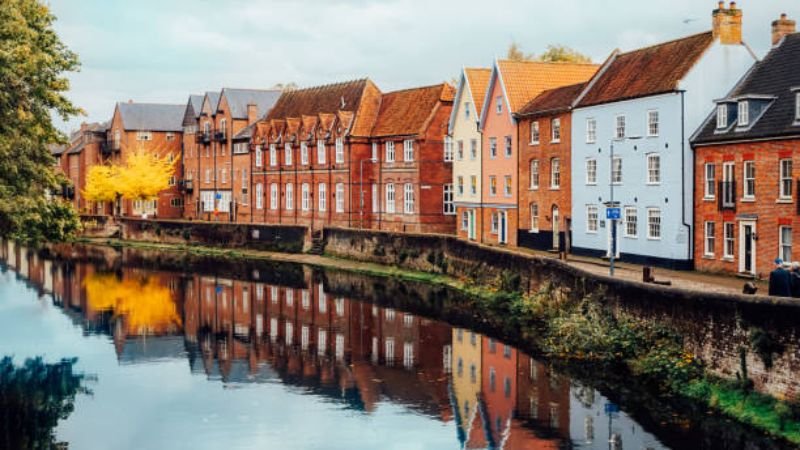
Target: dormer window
column 467, row 110
column 797, row 106
column 722, row 116
column 499, row 105
column 744, row 113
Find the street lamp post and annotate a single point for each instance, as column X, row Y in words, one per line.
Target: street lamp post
column 361, row 188
column 612, row 204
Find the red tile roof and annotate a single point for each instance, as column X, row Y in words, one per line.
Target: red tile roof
column 553, row 100
column 648, row 71
column 525, row 80
column 478, row 80
column 405, row 112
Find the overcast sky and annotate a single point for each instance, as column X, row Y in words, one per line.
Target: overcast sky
column 164, row 50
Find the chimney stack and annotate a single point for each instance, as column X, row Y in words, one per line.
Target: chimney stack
column 781, row 28
column 727, row 24
column 252, row 113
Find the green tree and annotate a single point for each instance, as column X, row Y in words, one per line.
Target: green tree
column 515, row 53
column 33, row 61
column 554, row 53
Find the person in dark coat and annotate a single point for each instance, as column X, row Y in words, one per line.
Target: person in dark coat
column 780, row 281
column 795, row 273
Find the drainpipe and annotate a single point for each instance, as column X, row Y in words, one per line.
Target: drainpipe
column 690, row 237
column 519, row 216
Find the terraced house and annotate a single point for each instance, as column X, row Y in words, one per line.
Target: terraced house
column 86, row 148
column 191, row 156
column 465, row 140
column 512, row 84
column 150, row 127
column 746, row 157
column 643, row 106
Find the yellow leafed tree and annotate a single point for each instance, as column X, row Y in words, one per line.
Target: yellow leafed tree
column 101, row 184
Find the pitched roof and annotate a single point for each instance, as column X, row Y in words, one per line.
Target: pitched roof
column 406, row 112
column 776, row 76
column 151, row 116
column 553, row 100
column 246, row 132
column 327, row 99
column 238, row 99
column 524, row 80
column 647, row 71
column 196, row 102
column 56, row 149
column 478, row 80
column 213, row 101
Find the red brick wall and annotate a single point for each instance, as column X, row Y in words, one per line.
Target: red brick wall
column 771, row 212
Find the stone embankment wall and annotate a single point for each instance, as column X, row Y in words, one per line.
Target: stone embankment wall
column 719, row 328
column 279, row 238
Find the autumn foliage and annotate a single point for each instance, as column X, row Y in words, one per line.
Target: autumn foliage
column 140, row 177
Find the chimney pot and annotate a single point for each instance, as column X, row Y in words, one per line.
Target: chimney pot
column 782, row 27
column 727, row 24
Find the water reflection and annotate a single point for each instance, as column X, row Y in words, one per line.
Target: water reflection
column 245, row 332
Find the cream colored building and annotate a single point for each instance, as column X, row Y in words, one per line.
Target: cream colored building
column 466, row 142
column 466, row 386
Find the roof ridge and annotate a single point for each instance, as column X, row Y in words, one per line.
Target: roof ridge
column 320, row 86
column 550, row 63
column 660, row 44
column 430, row 86
column 249, row 89
column 151, row 104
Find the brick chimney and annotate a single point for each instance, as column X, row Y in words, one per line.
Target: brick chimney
column 252, row 113
column 782, row 27
column 727, row 24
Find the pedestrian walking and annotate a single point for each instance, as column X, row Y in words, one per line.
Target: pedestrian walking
column 780, row 281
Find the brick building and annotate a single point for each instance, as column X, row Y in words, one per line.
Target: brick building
column 150, row 127
column 191, row 156
column 545, row 169
column 87, row 148
column 746, row 189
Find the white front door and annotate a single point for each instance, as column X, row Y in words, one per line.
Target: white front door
column 747, row 247
column 471, row 223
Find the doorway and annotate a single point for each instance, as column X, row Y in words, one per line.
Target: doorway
column 503, row 227
column 556, row 229
column 471, row 224
column 747, row 247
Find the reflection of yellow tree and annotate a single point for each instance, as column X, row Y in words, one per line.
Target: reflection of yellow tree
column 146, row 305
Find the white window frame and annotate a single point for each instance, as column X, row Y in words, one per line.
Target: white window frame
column 749, row 180
column 408, row 150
column 259, row 196
column 320, row 151
column 631, row 229
column 507, row 185
column 259, row 156
column 653, row 168
column 467, row 110
column 287, row 154
column 786, row 181
column 339, row 143
column 448, row 199
column 390, row 199
column 591, row 171
column 473, row 149
column 555, row 173
column 408, row 199
column 144, row 136
column 376, row 203
column 273, row 196
column 499, row 104
column 785, row 248
column 273, row 155
column 464, row 221
column 709, row 181
column 653, row 124
column 654, row 225
column 304, row 153
column 322, row 197
column 728, row 240
column 535, row 174
column 592, row 219
column 508, row 147
column 473, row 184
column 535, row 133
column 460, row 184
column 591, row 130
column 493, row 147
column 289, row 196
column 492, row 185
column 620, row 126
column 744, row 113
column 616, row 170
column 374, row 151
column 448, row 149
column 722, row 116
column 340, row 197
column 305, row 197
column 389, row 145
column 555, row 131
column 534, row 217
column 709, row 238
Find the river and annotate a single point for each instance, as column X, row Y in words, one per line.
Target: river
column 151, row 353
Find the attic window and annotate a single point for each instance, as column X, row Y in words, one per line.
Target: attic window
column 722, row 116
column 744, row 113
column 499, row 105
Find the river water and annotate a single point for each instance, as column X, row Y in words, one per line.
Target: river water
column 143, row 352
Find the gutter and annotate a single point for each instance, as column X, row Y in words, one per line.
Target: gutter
column 690, row 236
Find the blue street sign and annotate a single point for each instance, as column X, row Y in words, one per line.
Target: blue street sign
column 610, row 408
column 219, row 196
column 613, row 213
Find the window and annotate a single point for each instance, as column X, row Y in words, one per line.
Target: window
column 492, row 147
column 744, row 113
column 507, row 185
column 259, row 196
column 390, row 199
column 144, row 136
column 448, row 149
column 653, row 168
column 592, row 219
column 460, row 183
column 591, row 171
column 374, row 151
column 619, row 130
column 339, row 150
column 535, row 174
column 508, row 146
column 495, row 223
column 631, row 222
column 320, row 151
column 749, row 179
column 711, row 180
column 273, row 196
column 389, row 152
column 375, row 198
column 473, row 184
column 786, row 178
column 449, row 205
column 709, row 239
column 467, row 110
column 555, row 173
column 499, row 105
column 176, row 202
column 591, row 131
column 535, row 133
column 460, row 150
column 785, row 250
column 797, row 106
column 240, row 148
column 555, row 130
column 339, row 197
column 652, row 123
column 305, row 197
column 730, row 243
column 208, row 176
column 408, row 150
column 304, row 153
column 722, row 116
column 654, row 223
column 223, row 126
column 289, row 196
column 259, row 156
column 171, row 181
column 170, row 137
column 273, row 155
column 287, row 157
column 616, row 170
column 492, row 185
column 322, row 197
column 223, row 175
column 473, row 149
column 534, row 217
column 408, row 198
column 465, row 220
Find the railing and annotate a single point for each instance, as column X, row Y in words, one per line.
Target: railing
column 203, row 137
column 219, row 136
column 187, row 185
column 727, row 195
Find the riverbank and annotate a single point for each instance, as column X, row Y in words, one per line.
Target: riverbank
column 587, row 321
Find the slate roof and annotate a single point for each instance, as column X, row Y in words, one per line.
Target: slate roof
column 525, row 80
column 647, row 71
column 406, row 112
column 238, row 99
column 246, row 132
column 151, row 116
column 196, row 103
column 552, row 101
column 777, row 75
column 213, row 100
column 56, row 149
column 478, row 80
